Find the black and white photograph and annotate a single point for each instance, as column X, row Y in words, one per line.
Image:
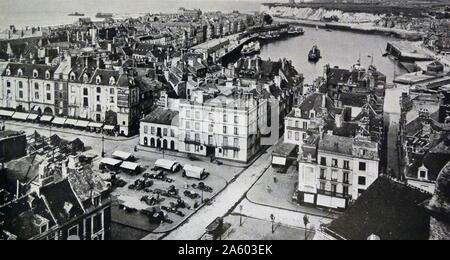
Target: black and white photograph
column 226, row 124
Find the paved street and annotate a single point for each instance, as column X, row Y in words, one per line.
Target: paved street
column 282, row 216
column 223, row 203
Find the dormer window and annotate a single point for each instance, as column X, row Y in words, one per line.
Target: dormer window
column 72, row 76
column 20, row 73
column 422, row 173
column 98, row 80
column 112, row 81
column 85, row 78
column 47, row 74
column 35, row 74
column 8, row 72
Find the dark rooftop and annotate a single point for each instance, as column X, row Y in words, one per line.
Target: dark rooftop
column 161, row 116
column 388, row 209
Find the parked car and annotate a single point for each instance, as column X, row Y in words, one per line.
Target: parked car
column 191, row 194
column 202, row 186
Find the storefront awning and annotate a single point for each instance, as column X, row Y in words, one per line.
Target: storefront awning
column 6, row 113
column 32, row 116
column 20, row 116
column 129, row 166
column 109, row 127
column 279, row 161
column 71, row 122
column 46, row 118
column 95, row 124
column 59, row 121
column 82, row 123
column 110, row 161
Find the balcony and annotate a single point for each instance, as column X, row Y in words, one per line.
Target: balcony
column 194, row 142
column 232, row 148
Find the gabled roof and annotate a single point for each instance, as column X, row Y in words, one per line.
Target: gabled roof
column 28, row 70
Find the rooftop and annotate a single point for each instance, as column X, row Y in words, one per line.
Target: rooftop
column 388, row 209
column 162, row 116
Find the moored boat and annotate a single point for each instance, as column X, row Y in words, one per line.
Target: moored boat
column 314, row 54
column 251, row 48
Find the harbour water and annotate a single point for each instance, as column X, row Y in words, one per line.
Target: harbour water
column 338, row 48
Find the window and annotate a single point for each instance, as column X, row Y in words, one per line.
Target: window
column 85, row 102
column 49, row 96
column 322, row 186
column 111, row 91
column 188, row 136
column 236, row 142
column 20, row 84
column 334, row 162
column 99, row 108
column 197, row 138
column 361, row 180
column 197, row 126
column 236, row 119
column 165, row 132
column 187, row 147
column 44, row 228
column 48, row 87
column 323, row 161
column 236, row 131
column 225, row 118
column 172, row 133
column 8, row 84
column 210, row 140
column 99, row 90
column 290, row 135
column 47, row 74
column 35, row 74
column 73, row 231
column 211, row 117
column 236, row 154
column 211, row 128
column 333, row 189
column 98, row 98
column 304, row 136
column 20, row 73
column 423, row 174
column 224, row 129
column 152, row 129
column 362, row 166
column 297, row 124
column 98, row 226
column 345, row 190
column 145, row 129
column 225, row 141
column 345, row 177
column 323, row 174
column 188, row 113
column 36, row 95
column 197, row 114
column 305, row 125
column 21, row 94
column 85, row 91
column 225, row 153
column 111, row 99
column 188, row 125
column 347, row 165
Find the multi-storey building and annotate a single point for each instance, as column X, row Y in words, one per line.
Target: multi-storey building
column 305, row 118
column 336, row 170
column 28, row 87
column 226, row 127
column 75, row 89
column 159, row 129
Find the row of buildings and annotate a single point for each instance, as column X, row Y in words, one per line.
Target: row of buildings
column 229, row 118
column 339, row 130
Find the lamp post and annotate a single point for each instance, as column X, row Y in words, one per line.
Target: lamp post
column 103, row 144
column 272, row 218
column 240, row 215
column 306, row 222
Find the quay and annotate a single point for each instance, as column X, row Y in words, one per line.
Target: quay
column 407, row 51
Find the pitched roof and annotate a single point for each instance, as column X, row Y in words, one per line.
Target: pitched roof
column 161, row 116
column 388, row 209
column 62, row 201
